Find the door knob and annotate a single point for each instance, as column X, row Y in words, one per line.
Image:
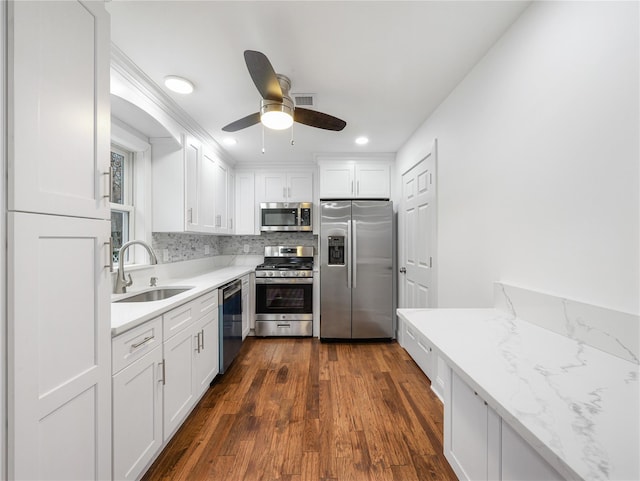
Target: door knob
column 403, row 270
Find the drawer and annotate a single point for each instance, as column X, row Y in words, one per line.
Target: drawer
column 206, row 303
column 418, row 349
column 180, row 318
column 132, row 345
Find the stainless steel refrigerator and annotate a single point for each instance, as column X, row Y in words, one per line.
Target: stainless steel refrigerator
column 356, row 269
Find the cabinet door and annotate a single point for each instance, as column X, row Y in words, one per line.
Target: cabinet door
column 246, row 204
column 245, row 306
column 231, row 203
column 221, row 192
column 206, row 352
column 272, row 187
column 192, row 156
column 59, row 108
column 137, row 415
column 337, row 181
column 59, row 347
column 466, row 448
column 179, row 391
column 208, row 196
column 372, row 180
column 299, row 187
column 520, row 462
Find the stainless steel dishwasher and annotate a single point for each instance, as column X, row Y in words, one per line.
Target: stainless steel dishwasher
column 230, row 325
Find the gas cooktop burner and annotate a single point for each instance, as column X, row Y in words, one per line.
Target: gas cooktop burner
column 286, row 261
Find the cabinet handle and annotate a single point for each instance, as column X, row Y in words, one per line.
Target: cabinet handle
column 202, row 338
column 358, row 188
column 109, row 175
column 190, row 215
column 161, row 364
column 110, row 254
column 219, row 220
column 352, row 186
column 197, row 348
column 284, row 192
column 144, row 341
column 289, row 192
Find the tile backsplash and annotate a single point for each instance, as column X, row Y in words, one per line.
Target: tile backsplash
column 183, row 247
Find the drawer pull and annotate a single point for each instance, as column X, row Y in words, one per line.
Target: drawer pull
column 144, row 341
column 283, row 325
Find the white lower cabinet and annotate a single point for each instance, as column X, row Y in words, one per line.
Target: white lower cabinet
column 480, row 445
column 472, row 433
column 247, row 287
column 179, row 388
column 424, row 356
column 160, row 370
column 206, row 359
column 520, row 462
column 137, row 399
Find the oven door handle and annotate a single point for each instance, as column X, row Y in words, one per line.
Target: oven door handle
column 284, row 280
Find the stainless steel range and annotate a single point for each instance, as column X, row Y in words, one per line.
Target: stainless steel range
column 284, row 292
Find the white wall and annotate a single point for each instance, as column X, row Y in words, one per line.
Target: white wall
column 538, row 161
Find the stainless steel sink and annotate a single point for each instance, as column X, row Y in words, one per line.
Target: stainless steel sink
column 157, row 294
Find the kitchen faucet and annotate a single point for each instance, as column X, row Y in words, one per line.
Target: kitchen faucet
column 121, row 282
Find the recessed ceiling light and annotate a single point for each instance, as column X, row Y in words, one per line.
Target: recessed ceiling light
column 230, row 141
column 178, row 84
column 362, row 140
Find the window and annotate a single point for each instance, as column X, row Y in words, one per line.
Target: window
column 122, row 203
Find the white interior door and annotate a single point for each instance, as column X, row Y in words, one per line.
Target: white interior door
column 418, row 234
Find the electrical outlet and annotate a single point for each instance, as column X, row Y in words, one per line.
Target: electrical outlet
column 207, row 249
column 165, row 255
column 246, row 248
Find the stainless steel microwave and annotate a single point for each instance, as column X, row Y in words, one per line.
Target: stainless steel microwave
column 286, row 216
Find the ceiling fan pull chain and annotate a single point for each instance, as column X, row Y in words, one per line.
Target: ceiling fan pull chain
column 292, row 134
column 263, row 139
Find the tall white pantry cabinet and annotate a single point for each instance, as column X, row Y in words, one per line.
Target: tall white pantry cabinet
column 58, row 252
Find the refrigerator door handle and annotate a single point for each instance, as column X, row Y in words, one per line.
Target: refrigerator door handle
column 348, row 254
column 354, row 268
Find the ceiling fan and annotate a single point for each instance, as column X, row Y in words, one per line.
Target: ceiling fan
column 277, row 110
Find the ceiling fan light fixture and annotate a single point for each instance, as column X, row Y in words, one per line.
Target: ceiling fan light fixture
column 178, row 84
column 277, row 115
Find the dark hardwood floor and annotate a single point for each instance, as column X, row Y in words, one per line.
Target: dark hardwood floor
column 299, row 409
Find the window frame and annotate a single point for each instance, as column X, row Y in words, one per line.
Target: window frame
column 128, row 138
column 127, row 205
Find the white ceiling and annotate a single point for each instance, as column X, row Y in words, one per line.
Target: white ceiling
column 383, row 67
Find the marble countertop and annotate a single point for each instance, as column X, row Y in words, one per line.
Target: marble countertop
column 127, row 315
column 579, row 407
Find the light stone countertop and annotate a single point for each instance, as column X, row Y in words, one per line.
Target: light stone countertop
column 579, row 407
column 127, row 315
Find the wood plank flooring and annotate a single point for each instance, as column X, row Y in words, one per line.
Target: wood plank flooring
column 297, row 409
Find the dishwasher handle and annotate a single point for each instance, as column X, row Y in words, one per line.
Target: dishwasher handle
column 230, row 289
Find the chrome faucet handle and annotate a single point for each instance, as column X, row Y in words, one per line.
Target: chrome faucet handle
column 127, row 283
column 153, row 282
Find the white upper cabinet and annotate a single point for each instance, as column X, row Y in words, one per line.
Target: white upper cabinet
column 220, row 186
column 190, row 188
column 284, row 187
column 351, row 179
column 59, row 108
column 245, row 204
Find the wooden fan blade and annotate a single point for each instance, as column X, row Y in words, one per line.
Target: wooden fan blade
column 243, row 123
column 263, row 75
column 313, row 118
